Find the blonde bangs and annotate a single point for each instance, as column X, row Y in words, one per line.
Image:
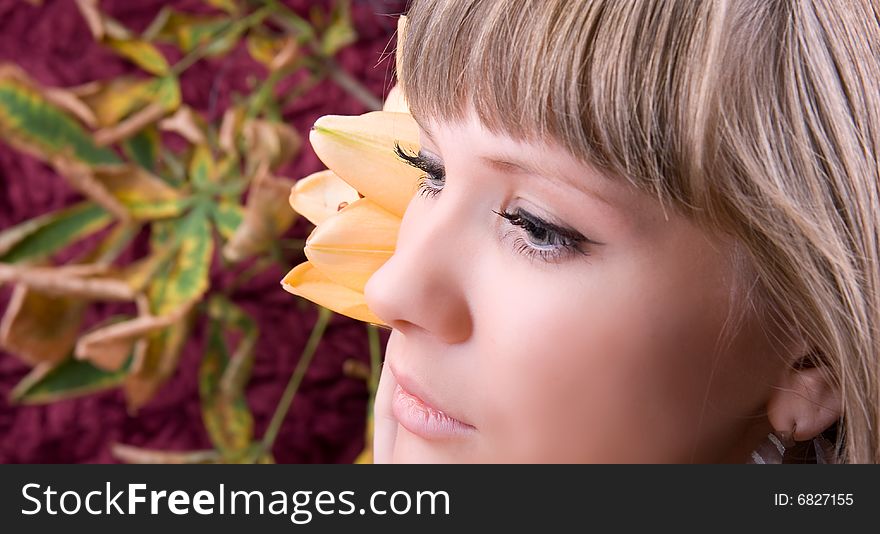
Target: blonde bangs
column 630, row 87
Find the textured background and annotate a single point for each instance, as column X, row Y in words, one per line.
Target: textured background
column 326, row 422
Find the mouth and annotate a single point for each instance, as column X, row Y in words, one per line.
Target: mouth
column 423, row 419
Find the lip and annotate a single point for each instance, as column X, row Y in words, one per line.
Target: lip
column 420, row 417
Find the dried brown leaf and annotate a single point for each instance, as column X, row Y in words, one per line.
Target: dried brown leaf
column 40, row 328
column 70, row 102
column 75, row 281
column 131, row 125
column 267, row 216
column 81, row 177
column 108, row 347
column 186, row 123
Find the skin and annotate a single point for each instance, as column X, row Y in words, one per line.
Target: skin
column 611, row 356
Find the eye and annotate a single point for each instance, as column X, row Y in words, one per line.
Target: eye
column 550, row 242
column 432, row 182
column 545, row 240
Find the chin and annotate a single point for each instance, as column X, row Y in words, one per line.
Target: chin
column 411, row 449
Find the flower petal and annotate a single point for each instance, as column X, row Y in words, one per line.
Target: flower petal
column 350, row 246
column 318, row 196
column 307, row 282
column 360, row 149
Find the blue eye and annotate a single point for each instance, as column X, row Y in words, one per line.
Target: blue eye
column 542, row 239
column 539, row 238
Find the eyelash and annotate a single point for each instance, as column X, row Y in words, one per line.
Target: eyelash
column 563, row 243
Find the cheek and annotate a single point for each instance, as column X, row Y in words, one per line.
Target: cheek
column 611, row 369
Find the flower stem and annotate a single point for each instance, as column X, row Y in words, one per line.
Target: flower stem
column 295, row 379
column 351, row 85
column 233, row 27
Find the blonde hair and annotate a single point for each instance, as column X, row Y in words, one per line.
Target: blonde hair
column 759, row 118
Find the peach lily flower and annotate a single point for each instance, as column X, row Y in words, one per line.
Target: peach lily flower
column 356, row 205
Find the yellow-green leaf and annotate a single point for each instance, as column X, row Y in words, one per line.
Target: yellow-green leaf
column 199, row 32
column 340, row 33
column 168, row 92
column 228, row 6
column 153, row 101
column 273, row 52
column 115, row 99
column 29, row 122
column 142, row 53
column 227, row 217
column 40, row 237
column 185, row 279
column 202, row 167
column 142, row 194
column 234, row 319
column 226, row 414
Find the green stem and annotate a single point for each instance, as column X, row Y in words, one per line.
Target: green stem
column 302, row 88
column 351, row 85
column 326, row 64
column 295, row 379
column 232, row 27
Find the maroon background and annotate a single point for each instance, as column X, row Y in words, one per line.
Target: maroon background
column 326, row 422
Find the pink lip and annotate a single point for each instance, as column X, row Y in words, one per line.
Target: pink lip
column 423, row 419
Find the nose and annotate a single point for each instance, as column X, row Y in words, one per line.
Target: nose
column 422, row 285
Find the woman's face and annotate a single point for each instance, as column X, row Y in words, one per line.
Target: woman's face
column 545, row 312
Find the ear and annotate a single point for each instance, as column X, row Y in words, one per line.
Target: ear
column 804, row 403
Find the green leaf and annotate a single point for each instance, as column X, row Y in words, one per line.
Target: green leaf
column 296, row 26
column 31, row 123
column 226, row 415
column 227, row 217
column 185, row 278
column 40, row 237
column 71, row 378
column 119, row 97
column 144, row 195
column 197, row 31
column 202, row 168
column 143, row 148
column 340, row 33
column 234, row 319
column 168, row 92
column 142, row 54
column 228, row 6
